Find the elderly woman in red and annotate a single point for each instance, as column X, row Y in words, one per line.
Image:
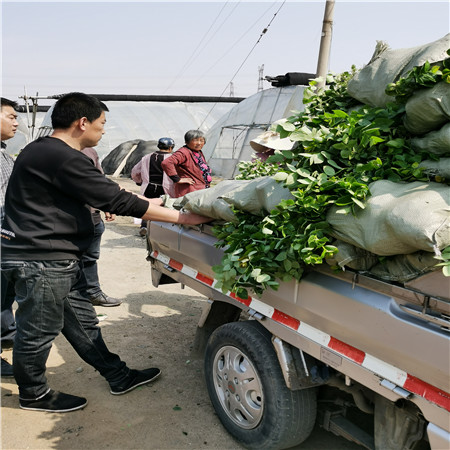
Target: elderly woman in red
column 187, row 167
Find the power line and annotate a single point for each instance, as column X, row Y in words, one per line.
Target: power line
column 264, row 31
column 190, row 59
column 205, row 72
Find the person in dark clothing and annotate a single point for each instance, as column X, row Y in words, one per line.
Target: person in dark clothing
column 89, row 274
column 47, row 228
column 148, row 174
column 8, row 128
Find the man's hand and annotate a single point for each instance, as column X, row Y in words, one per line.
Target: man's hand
column 109, row 217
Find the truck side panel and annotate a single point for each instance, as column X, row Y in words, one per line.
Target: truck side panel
column 367, row 320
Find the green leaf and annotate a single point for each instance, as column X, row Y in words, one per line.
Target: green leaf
column 290, row 180
column 280, row 176
column 375, row 140
column 317, row 158
column 329, row 171
column 335, row 165
column 344, row 211
column 255, row 272
column 281, row 256
column 287, row 126
column 359, row 203
column 339, row 113
column 305, row 173
column 262, row 278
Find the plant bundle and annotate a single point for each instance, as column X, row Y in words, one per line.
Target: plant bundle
column 341, row 146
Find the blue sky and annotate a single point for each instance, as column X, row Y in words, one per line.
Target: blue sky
column 194, row 48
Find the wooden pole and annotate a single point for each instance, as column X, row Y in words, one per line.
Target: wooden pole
column 325, row 43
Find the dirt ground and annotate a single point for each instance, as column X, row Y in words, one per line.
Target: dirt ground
column 153, row 327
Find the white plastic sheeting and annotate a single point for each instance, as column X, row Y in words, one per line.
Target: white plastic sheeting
column 228, row 141
column 130, row 120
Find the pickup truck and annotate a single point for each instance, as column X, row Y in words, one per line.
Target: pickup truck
column 369, row 360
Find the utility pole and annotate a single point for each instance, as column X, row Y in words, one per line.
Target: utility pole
column 231, row 89
column 325, row 43
column 32, row 125
column 260, row 77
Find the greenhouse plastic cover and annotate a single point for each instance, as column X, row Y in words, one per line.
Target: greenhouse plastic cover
column 229, row 127
column 228, row 141
column 130, row 120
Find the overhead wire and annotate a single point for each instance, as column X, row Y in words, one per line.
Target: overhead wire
column 190, row 59
column 204, row 73
column 264, row 31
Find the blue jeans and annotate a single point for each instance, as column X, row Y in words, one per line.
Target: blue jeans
column 8, row 324
column 89, row 263
column 48, row 305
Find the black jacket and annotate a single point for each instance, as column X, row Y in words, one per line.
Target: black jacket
column 47, row 217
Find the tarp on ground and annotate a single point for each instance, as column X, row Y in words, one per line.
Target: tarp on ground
column 125, row 156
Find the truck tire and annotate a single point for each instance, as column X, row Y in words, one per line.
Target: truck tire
column 248, row 391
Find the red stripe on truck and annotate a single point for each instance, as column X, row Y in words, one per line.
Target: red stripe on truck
column 347, row 350
column 427, row 391
column 204, row 279
column 175, row 264
column 245, row 301
column 286, row 320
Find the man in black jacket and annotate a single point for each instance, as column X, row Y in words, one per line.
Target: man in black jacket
column 47, row 228
column 8, row 128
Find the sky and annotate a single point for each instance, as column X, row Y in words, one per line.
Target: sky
column 194, row 48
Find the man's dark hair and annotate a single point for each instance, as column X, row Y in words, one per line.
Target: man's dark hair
column 7, row 102
column 73, row 106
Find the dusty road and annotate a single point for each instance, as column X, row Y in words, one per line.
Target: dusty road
column 152, row 327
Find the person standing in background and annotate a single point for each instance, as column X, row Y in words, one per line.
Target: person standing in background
column 9, row 124
column 148, row 174
column 187, row 167
column 89, row 271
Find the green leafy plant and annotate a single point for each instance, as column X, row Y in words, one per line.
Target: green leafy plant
column 445, row 264
column 340, row 148
column 420, row 77
column 249, row 170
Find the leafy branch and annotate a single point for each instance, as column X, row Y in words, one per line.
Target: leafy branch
column 445, row 257
column 425, row 76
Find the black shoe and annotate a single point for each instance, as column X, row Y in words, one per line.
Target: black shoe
column 103, row 300
column 7, row 369
column 143, row 232
column 135, row 379
column 54, row 401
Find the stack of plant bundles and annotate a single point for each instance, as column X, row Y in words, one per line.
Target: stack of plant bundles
column 364, row 186
column 409, row 223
